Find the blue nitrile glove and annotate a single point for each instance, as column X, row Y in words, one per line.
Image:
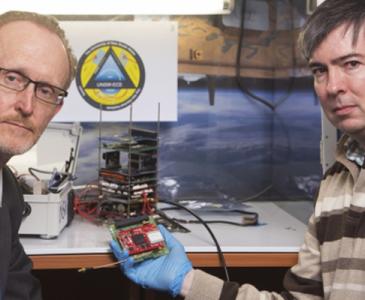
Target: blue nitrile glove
column 165, row 273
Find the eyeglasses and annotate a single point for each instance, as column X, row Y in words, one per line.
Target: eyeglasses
column 45, row 92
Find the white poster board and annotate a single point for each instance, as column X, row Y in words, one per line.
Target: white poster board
column 122, row 63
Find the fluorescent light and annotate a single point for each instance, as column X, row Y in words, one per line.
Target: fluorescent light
column 121, row 7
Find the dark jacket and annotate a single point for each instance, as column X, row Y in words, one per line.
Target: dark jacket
column 16, row 280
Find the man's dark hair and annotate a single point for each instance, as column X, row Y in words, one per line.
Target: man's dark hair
column 328, row 16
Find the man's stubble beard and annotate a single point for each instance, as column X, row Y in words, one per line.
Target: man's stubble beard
column 19, row 145
column 11, row 150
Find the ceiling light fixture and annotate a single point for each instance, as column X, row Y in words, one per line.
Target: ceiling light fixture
column 121, row 7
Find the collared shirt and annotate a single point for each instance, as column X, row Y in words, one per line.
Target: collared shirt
column 355, row 153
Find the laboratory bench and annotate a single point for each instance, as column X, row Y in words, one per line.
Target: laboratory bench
column 273, row 243
column 259, row 255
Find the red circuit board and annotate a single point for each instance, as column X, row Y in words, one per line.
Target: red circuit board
column 142, row 238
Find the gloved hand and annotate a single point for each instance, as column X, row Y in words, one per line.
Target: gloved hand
column 165, row 273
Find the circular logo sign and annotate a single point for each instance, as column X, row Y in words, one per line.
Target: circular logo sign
column 110, row 75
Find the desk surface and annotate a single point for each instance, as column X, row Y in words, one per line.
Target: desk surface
column 275, row 243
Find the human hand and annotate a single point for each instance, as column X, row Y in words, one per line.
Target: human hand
column 165, row 273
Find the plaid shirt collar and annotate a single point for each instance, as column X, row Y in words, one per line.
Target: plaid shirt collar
column 354, row 152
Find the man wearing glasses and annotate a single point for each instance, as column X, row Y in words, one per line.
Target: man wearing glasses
column 36, row 68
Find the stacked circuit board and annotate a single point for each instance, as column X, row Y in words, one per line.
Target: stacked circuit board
column 140, row 236
column 128, row 179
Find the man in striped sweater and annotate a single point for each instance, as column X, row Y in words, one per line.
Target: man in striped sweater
column 331, row 261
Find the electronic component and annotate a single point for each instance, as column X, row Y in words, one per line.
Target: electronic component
column 112, row 159
column 129, row 176
column 140, row 236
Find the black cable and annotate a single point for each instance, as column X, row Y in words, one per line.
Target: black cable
column 220, row 253
column 31, row 170
column 250, row 218
column 294, row 61
column 215, row 222
column 292, row 79
column 238, row 65
column 238, row 61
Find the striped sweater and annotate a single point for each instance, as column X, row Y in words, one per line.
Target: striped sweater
column 331, row 261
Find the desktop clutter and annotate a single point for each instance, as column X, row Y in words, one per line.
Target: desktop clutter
column 124, row 197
